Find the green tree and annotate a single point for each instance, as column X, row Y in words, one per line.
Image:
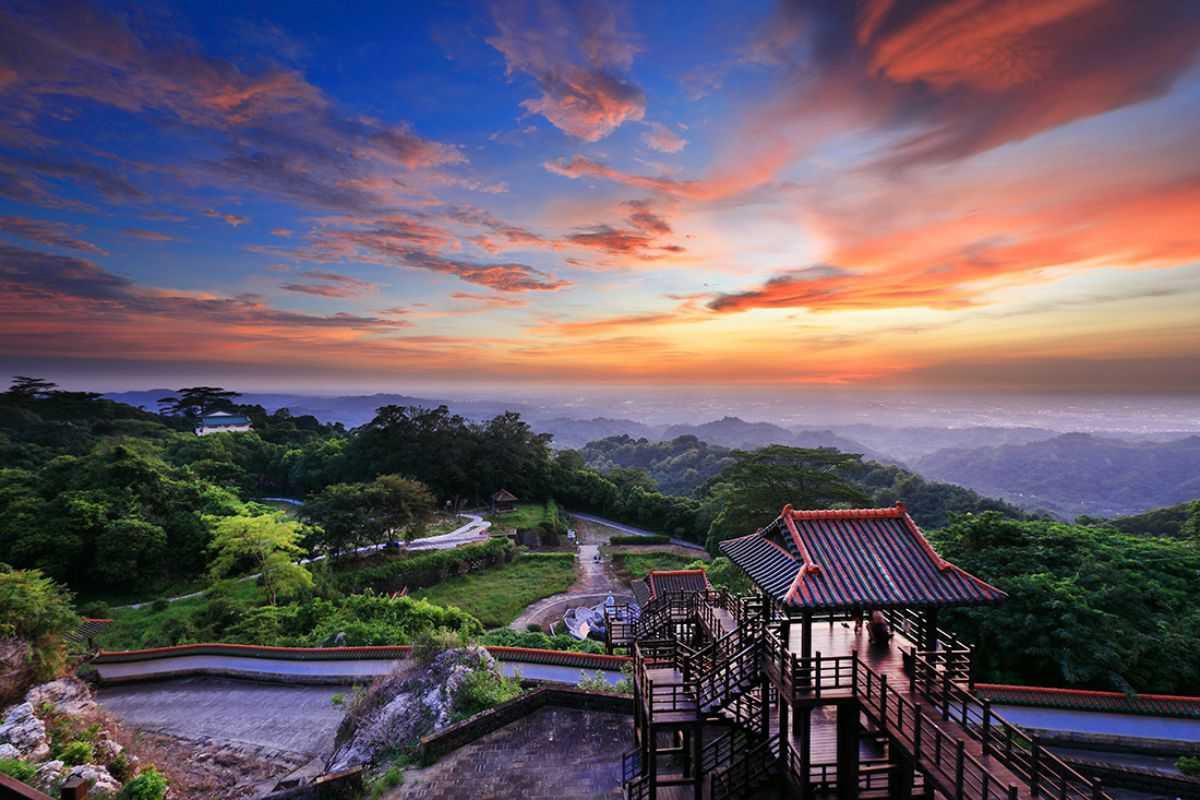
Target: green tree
column 131, row 547
column 24, row 386
column 268, row 544
column 36, row 610
column 399, row 504
column 341, row 512
column 750, row 492
column 196, row 401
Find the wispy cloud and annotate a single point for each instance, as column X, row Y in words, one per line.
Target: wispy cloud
column 55, row 234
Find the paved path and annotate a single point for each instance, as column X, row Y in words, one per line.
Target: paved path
column 629, row 530
column 594, row 581
column 295, row 719
column 475, row 530
column 331, row 671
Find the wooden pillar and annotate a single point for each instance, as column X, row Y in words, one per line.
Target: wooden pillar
column 847, row 751
column 764, row 685
column 931, row 626
column 652, row 762
column 903, row 774
column 785, row 632
column 699, row 760
column 802, row 728
column 806, row 639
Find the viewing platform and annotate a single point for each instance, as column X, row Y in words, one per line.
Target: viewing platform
column 796, row 692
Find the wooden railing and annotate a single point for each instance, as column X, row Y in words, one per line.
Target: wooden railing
column 731, row 676
column 725, row 749
column 1048, row 775
column 941, row 754
column 753, row 769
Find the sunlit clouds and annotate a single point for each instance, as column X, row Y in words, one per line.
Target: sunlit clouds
column 970, row 194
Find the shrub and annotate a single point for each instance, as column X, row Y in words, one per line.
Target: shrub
column 149, row 784
column 639, row 540
column 428, row 644
column 506, row 637
column 160, row 605
column 15, row 768
column 387, row 574
column 481, row 690
column 120, row 768
column 1189, row 765
column 76, row 753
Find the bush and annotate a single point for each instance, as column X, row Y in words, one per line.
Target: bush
column 149, row 784
column 76, row 753
column 506, row 637
column 387, row 574
column 160, row 605
column 481, row 690
column 427, row 644
column 15, row 768
column 1189, row 765
column 639, row 540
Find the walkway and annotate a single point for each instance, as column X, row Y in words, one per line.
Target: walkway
column 552, row 754
column 629, row 530
column 289, row 671
column 293, row 719
column 594, row 581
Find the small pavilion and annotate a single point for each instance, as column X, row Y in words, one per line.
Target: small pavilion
column 503, row 501
column 664, row 582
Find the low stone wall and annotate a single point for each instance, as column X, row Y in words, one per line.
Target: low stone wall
column 1139, row 779
column 1111, row 743
column 346, row 785
column 468, row 730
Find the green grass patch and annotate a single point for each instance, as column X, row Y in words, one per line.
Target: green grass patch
column 156, row 624
column 528, row 515
column 639, row 565
column 498, row 595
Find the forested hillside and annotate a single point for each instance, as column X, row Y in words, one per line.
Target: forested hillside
column 1181, row 520
column 1077, row 474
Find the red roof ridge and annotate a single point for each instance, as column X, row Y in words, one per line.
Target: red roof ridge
column 809, row 566
column 845, row 513
column 675, row 572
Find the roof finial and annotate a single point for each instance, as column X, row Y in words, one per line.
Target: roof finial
column 900, row 507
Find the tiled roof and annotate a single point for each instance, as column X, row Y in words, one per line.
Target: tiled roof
column 504, row 494
column 641, row 591
column 675, row 581
column 856, row 558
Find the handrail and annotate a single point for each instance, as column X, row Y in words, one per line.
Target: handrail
column 740, row 777
column 1048, row 775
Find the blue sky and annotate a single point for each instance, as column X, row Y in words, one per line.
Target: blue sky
column 857, row 193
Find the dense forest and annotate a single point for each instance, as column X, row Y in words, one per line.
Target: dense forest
column 112, row 501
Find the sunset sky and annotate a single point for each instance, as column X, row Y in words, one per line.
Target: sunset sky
column 981, row 194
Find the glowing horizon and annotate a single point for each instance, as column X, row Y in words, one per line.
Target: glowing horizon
column 935, row 195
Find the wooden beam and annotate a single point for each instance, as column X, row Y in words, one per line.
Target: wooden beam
column 847, row 750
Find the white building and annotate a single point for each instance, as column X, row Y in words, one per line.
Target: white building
column 222, row 422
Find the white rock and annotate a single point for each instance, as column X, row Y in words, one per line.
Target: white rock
column 68, row 695
column 106, row 749
column 8, row 751
column 102, row 785
column 50, row 777
column 24, row 731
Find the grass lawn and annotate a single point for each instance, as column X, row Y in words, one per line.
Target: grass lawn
column 524, row 516
column 133, row 628
column 639, row 565
column 498, row 595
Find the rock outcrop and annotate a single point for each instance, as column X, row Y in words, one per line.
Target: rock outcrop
column 101, row 785
column 405, row 706
column 26, row 733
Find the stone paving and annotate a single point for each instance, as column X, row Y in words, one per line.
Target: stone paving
column 553, row 754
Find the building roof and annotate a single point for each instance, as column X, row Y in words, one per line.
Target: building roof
column 219, row 419
column 504, row 494
column 677, row 580
column 854, row 558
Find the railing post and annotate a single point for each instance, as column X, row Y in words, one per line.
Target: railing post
column 854, row 672
column 1097, row 792
column 971, row 668
column 987, row 727
column 917, row 732
column 1012, row 792
column 883, row 688
column 1035, row 767
column 817, row 681
column 960, row 760
column 945, row 694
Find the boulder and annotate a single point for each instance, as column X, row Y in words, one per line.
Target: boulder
column 25, row 732
column 405, row 706
column 106, row 749
column 68, row 695
column 50, row 777
column 102, row 786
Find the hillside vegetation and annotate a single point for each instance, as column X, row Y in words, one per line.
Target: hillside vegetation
column 1077, row 473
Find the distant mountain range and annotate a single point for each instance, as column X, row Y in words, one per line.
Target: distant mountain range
column 1076, row 473
column 1114, row 474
